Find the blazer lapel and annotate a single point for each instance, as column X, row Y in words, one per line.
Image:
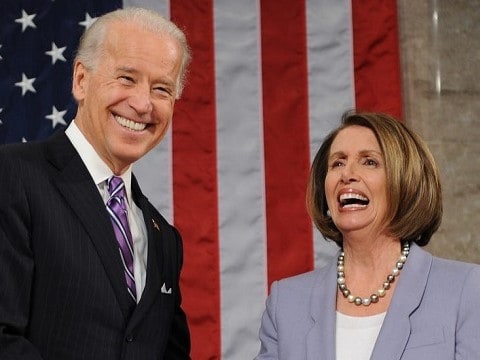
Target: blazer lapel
column 76, row 186
column 154, row 257
column 321, row 337
column 396, row 328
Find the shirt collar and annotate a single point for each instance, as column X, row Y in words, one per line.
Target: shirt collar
column 97, row 168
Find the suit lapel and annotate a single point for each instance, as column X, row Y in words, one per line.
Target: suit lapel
column 76, row 186
column 395, row 331
column 155, row 253
column 321, row 337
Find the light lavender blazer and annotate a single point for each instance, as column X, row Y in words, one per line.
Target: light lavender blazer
column 434, row 314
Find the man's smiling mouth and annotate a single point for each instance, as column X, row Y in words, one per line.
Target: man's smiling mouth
column 129, row 124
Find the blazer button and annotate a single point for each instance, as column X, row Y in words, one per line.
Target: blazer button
column 129, row 338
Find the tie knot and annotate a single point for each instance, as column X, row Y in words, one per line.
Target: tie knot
column 116, row 186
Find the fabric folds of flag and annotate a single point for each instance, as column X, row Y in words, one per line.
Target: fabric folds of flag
column 268, row 81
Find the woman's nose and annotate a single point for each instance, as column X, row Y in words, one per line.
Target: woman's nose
column 349, row 174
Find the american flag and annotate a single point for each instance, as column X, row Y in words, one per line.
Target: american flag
column 269, row 79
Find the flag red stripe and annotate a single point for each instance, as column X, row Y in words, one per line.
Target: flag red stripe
column 286, row 138
column 376, row 56
column 195, row 181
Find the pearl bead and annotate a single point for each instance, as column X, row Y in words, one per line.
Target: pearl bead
column 351, row 298
column 358, row 301
column 366, row 301
column 341, row 280
column 381, row 292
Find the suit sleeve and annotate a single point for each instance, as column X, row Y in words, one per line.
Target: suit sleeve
column 268, row 328
column 467, row 340
column 178, row 347
column 16, row 265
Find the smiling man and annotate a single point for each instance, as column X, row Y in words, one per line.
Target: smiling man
column 88, row 267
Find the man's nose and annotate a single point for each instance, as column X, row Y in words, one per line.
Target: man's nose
column 141, row 100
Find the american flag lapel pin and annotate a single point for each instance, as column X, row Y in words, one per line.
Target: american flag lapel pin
column 155, row 225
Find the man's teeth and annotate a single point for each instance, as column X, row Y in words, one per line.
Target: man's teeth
column 129, row 124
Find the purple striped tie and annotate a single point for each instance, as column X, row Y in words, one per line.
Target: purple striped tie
column 116, row 207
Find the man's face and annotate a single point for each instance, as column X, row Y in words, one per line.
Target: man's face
column 126, row 101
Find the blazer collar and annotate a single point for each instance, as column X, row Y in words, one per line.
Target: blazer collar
column 409, row 291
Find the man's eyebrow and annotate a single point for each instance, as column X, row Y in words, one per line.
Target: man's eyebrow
column 127, row 69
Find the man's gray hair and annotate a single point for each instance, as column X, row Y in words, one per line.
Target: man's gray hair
column 91, row 42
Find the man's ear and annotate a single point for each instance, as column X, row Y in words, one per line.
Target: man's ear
column 79, row 81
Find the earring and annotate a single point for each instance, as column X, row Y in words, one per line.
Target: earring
column 328, row 213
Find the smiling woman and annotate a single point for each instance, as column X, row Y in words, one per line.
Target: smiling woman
column 374, row 189
column 414, row 191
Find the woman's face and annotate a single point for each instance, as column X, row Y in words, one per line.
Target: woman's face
column 355, row 184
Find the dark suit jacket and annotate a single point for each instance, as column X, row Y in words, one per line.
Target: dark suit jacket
column 62, row 289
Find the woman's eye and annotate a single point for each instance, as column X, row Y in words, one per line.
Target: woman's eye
column 336, row 163
column 371, row 162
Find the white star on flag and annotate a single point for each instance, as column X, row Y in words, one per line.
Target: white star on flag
column 88, row 21
column 57, row 117
column 56, row 53
column 1, row 55
column 26, row 84
column 26, row 20
column 1, row 122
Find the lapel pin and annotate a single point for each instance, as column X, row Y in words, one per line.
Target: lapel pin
column 155, row 225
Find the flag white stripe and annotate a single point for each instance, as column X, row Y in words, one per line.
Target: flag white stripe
column 162, row 6
column 242, row 230
column 330, row 81
column 154, row 170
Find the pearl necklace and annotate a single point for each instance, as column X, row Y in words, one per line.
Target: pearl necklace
column 374, row 298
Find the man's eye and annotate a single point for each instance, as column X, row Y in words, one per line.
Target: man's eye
column 162, row 89
column 126, row 79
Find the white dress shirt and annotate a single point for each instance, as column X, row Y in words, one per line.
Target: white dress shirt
column 100, row 172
